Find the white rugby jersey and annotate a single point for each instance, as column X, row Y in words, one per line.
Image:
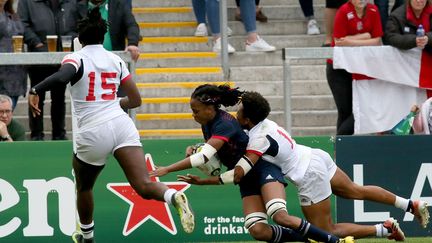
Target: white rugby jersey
column 99, row 73
column 275, row 145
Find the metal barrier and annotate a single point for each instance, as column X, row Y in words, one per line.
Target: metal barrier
column 53, row 58
column 288, row 54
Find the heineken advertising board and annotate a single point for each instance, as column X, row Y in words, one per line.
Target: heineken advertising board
column 400, row 164
column 37, row 198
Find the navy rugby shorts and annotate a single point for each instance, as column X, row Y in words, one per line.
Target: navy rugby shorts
column 263, row 172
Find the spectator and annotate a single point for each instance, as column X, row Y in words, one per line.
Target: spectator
column 122, row 25
column 331, row 7
column 402, row 25
column 383, row 7
column 42, row 18
column 308, row 12
column 357, row 23
column 422, row 123
column 259, row 15
column 199, row 8
column 253, row 42
column 10, row 130
column 13, row 79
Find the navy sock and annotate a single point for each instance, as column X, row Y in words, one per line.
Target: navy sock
column 282, row 234
column 310, row 231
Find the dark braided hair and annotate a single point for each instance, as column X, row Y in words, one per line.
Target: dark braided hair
column 92, row 28
column 209, row 94
column 255, row 107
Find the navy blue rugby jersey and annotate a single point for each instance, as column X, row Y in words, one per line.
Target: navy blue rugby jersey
column 226, row 127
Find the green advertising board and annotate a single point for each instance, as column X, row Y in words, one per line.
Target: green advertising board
column 400, row 164
column 37, row 198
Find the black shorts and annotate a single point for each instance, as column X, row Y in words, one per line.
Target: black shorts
column 334, row 3
column 263, row 172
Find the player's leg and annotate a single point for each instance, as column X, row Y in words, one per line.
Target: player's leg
column 85, row 176
column 344, row 187
column 273, row 194
column 132, row 161
column 315, row 190
column 257, row 224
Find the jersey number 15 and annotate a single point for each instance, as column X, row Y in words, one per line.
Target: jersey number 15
column 106, row 86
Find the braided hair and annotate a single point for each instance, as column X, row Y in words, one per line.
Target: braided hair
column 92, row 28
column 209, row 94
column 255, row 107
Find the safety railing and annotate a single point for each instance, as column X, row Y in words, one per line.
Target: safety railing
column 288, row 55
column 53, row 58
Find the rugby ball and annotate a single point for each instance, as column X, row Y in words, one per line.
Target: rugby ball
column 211, row 167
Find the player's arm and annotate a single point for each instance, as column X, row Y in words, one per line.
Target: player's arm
column 197, row 159
column 63, row 76
column 133, row 97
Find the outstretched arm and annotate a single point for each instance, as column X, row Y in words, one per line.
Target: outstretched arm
column 197, row 159
column 63, row 75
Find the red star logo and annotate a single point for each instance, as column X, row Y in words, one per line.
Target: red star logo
column 141, row 210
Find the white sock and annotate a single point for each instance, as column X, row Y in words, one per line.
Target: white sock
column 402, row 203
column 381, row 231
column 87, row 230
column 168, row 195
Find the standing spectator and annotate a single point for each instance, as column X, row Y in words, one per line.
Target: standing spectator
column 383, row 7
column 122, row 25
column 254, row 43
column 259, row 15
column 357, row 23
column 403, row 23
column 331, row 7
column 13, row 79
column 42, row 18
column 308, row 12
column 200, row 9
column 10, row 130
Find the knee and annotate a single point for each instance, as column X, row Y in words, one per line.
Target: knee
column 257, row 225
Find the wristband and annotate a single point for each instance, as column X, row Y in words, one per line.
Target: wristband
column 227, row 177
column 245, row 164
column 5, row 138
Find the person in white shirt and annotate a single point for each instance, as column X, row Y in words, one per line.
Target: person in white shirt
column 103, row 127
column 315, row 175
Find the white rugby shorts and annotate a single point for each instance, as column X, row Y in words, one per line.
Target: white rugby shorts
column 315, row 185
column 94, row 144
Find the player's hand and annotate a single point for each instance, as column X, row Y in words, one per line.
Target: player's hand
column 134, row 51
column 189, row 151
column 191, row 179
column 238, row 174
column 33, row 101
column 159, row 171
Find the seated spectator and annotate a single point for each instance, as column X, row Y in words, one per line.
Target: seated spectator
column 258, row 10
column 308, row 12
column 13, row 78
column 402, row 25
column 357, row 23
column 10, row 130
column 254, row 43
